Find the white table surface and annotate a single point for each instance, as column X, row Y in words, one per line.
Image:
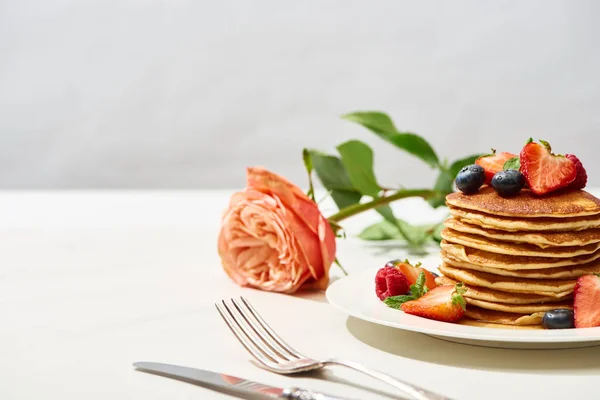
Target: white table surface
column 93, row 281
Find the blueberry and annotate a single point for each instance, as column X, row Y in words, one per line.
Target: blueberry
column 470, row 178
column 561, row 318
column 392, row 264
column 434, row 274
column 508, row 182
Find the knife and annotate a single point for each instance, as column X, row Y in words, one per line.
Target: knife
column 236, row 386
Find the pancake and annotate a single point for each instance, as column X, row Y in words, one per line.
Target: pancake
column 501, row 317
column 574, row 271
column 564, row 204
column 482, row 324
column 496, row 296
column 502, row 261
column 546, row 287
column 509, row 224
column 515, row 249
column 519, row 308
column 540, row 239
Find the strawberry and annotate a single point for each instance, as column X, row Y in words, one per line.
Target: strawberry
column 443, row 303
column 544, row 171
column 390, row 282
column 586, row 301
column 493, row 163
column 581, row 179
column 412, row 273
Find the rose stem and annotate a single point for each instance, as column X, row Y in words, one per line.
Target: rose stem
column 381, row 201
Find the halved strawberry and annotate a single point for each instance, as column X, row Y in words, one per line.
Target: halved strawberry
column 586, row 301
column 581, row 179
column 492, row 163
column 544, row 171
column 443, row 303
column 411, row 272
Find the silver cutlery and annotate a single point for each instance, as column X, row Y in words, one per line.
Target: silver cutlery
column 231, row 384
column 275, row 355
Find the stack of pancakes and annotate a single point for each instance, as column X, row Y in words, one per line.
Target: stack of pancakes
column 519, row 257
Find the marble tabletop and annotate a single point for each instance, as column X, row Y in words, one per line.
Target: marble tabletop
column 92, row 281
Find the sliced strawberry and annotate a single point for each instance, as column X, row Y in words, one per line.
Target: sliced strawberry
column 544, row 171
column 412, row 273
column 586, row 301
column 581, row 178
column 390, row 282
column 443, row 303
column 493, row 163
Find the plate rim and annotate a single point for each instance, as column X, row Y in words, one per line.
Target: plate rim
column 465, row 332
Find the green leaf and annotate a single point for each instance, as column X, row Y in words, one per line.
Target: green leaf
column 397, row 301
column 380, row 124
column 437, row 232
column 357, row 158
column 458, row 164
column 309, row 168
column 457, row 297
column 421, row 281
column 443, row 185
column 382, row 230
column 334, row 177
column 414, row 235
column 513, row 163
column 445, row 181
column 345, row 198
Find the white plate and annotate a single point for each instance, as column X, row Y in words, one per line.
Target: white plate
column 355, row 294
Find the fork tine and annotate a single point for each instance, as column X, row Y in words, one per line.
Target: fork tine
column 270, row 330
column 250, row 334
column 237, row 331
column 262, row 333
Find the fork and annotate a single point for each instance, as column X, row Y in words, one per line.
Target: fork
column 275, row 355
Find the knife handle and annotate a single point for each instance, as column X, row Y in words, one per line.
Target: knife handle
column 303, row 394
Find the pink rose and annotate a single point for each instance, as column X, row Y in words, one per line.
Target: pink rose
column 273, row 237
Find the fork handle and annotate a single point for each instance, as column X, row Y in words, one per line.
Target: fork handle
column 415, row 392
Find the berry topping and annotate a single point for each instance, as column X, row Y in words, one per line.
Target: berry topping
column 444, row 303
column 561, row 318
column 470, row 178
column 493, row 163
column 544, row 171
column 581, row 179
column 390, row 282
column 508, row 182
column 411, row 272
column 586, row 299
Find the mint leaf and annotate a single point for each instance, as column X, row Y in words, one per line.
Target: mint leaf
column 397, row 301
column 334, row 177
column 382, row 125
column 416, row 289
column 357, row 158
column 513, row 163
column 421, row 281
column 457, row 297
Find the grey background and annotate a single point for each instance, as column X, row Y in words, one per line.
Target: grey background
column 185, row 94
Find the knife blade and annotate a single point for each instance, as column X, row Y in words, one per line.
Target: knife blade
column 239, row 387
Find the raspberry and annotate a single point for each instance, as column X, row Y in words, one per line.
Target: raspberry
column 390, row 282
column 581, row 178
